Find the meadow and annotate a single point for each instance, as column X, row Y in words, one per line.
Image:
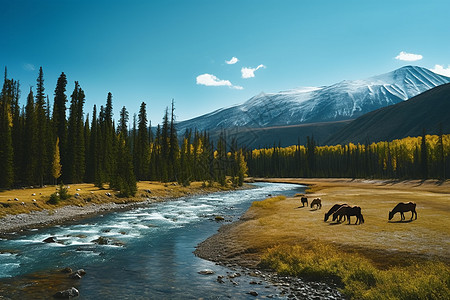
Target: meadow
column 378, row 259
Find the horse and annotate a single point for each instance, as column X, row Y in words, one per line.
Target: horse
column 317, row 202
column 332, row 210
column 349, row 211
column 402, row 208
column 304, row 200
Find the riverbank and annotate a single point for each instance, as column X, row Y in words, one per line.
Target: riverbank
column 23, row 209
column 254, row 240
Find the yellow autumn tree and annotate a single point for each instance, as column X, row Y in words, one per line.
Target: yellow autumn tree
column 56, row 165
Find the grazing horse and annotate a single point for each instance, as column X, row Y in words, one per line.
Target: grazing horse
column 304, row 200
column 349, row 211
column 317, row 202
column 402, row 208
column 332, row 210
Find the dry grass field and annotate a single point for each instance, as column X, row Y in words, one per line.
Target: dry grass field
column 30, row 199
column 394, row 260
column 429, row 235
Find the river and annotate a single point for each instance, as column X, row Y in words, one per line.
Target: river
column 153, row 257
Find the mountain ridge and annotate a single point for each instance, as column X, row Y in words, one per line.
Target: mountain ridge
column 347, row 99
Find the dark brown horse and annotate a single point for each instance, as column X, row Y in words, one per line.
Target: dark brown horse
column 317, row 202
column 304, row 200
column 349, row 211
column 402, row 208
column 332, row 210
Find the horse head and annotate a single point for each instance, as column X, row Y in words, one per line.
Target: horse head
column 391, row 215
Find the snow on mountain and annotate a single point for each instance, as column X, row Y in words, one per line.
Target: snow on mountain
column 341, row 101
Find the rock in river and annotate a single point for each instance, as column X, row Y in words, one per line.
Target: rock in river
column 67, row 294
column 51, row 239
column 206, row 272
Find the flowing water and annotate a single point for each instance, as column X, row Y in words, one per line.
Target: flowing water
column 152, row 257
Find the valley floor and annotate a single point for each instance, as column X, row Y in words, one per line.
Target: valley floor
column 386, row 244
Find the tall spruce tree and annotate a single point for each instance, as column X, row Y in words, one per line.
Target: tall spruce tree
column 122, row 128
column 30, row 138
column 59, row 116
column 174, row 148
column 142, row 147
column 42, row 153
column 75, row 135
column 108, row 139
column 6, row 148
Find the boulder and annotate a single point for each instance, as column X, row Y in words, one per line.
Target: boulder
column 51, row 239
column 206, row 272
column 67, row 294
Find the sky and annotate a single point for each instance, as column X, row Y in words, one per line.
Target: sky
column 206, row 55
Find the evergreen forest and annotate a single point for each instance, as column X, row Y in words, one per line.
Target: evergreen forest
column 42, row 145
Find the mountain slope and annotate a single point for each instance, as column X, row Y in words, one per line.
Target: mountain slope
column 428, row 110
column 342, row 101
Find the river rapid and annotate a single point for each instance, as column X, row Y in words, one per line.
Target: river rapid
column 149, row 255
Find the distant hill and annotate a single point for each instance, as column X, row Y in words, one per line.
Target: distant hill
column 281, row 135
column 427, row 110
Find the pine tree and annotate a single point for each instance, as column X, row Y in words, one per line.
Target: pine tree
column 122, row 128
column 108, row 140
column 92, row 157
column 6, row 149
column 142, row 147
column 174, row 149
column 59, row 116
column 123, row 178
column 164, row 144
column 41, row 131
column 76, row 143
column 30, row 159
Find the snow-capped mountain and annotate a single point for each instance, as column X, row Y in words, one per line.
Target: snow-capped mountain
column 341, row 101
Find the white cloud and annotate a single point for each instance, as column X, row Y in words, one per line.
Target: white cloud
column 438, row 69
column 250, row 72
column 408, row 56
column 232, row 61
column 29, row 67
column 211, row 80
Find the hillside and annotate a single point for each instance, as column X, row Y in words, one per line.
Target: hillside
column 427, row 110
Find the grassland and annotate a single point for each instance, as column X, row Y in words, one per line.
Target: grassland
column 396, row 260
column 36, row 199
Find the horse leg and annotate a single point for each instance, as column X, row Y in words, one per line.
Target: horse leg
column 402, row 215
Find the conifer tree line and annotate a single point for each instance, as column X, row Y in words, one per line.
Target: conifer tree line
column 423, row 157
column 40, row 144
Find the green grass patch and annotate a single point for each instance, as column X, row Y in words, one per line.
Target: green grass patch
column 269, row 202
column 358, row 276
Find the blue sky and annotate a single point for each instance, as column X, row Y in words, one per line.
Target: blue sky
column 154, row 51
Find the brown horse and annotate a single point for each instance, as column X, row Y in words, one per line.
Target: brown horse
column 349, row 211
column 332, row 210
column 317, row 202
column 402, row 208
column 304, row 200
